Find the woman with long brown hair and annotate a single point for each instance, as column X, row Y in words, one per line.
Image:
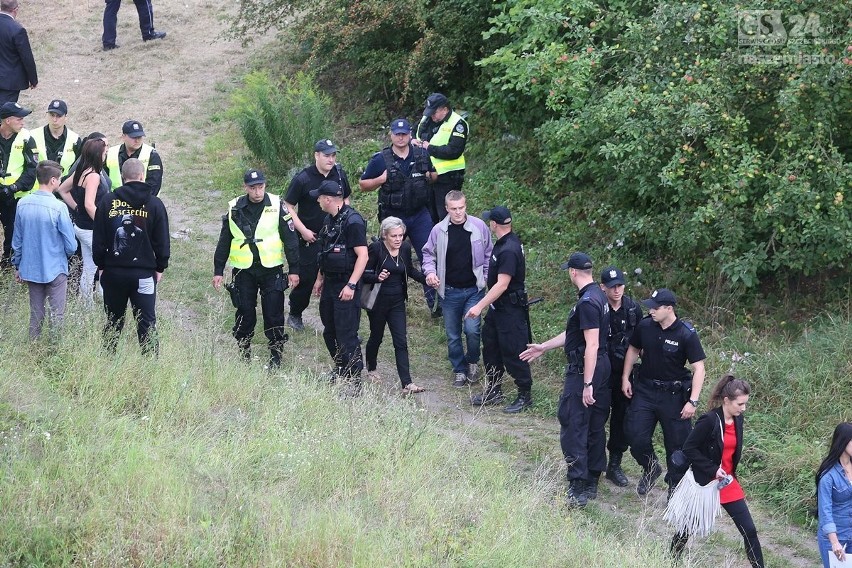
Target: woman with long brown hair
column 834, row 497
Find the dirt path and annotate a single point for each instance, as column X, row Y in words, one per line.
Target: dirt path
column 168, row 86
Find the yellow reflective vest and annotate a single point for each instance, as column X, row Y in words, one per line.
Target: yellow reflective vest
column 68, row 155
column 442, row 138
column 114, row 167
column 266, row 237
column 16, row 164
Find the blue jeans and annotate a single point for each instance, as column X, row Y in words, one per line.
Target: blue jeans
column 456, row 302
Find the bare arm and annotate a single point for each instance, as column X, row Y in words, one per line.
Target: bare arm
column 629, row 360
column 536, row 350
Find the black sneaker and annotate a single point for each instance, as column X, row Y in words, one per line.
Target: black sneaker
column 459, row 380
column 154, row 35
column 493, row 395
column 649, row 478
column 576, row 495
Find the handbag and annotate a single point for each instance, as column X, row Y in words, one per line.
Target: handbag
column 369, row 293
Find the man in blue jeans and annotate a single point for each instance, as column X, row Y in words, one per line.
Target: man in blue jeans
column 455, row 262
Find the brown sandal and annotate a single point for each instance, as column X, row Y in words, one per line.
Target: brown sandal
column 411, row 388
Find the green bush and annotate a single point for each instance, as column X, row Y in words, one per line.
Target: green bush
column 281, row 122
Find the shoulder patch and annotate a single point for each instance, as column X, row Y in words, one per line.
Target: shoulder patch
column 459, row 127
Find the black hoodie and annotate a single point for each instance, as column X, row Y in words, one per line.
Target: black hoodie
column 131, row 230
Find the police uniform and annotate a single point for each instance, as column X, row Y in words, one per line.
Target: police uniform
column 660, row 392
column 147, row 154
column 253, row 238
column 18, row 160
column 447, row 139
column 338, row 237
column 63, row 150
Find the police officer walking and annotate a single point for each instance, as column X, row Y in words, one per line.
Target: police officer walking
column 18, row 160
column 55, row 141
column 443, row 134
column 506, row 331
column 308, row 219
column 665, row 391
column 584, row 404
column 133, row 146
column 257, row 232
column 624, row 315
column 342, row 259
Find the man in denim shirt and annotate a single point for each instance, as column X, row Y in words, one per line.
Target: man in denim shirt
column 42, row 242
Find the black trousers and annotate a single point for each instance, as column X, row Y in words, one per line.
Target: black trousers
column 390, row 311
column 582, row 432
column 340, row 321
column 8, row 208
column 143, row 9
column 270, row 282
column 440, row 188
column 618, row 412
column 650, row 406
column 121, row 285
column 504, row 337
column 9, row 96
column 739, row 513
column 300, row 296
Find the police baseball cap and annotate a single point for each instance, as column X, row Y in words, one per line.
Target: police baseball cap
column 133, row 129
column 660, row 297
column 13, row 109
column 578, row 260
column 328, row 187
column 254, row 177
column 327, row 147
column 434, row 102
column 57, row 106
column 499, row 215
column 612, row 277
column 400, row 126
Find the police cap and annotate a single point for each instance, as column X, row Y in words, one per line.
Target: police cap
column 660, row 297
column 579, row 261
column 13, row 109
column 612, row 277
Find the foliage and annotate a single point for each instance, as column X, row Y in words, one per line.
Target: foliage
column 281, row 122
column 704, row 154
column 395, row 52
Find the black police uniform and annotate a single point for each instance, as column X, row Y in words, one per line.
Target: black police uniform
column 338, row 237
column 448, row 181
column 622, row 322
column 661, row 390
column 8, row 203
column 271, row 282
column 582, row 432
column 505, row 333
column 312, row 216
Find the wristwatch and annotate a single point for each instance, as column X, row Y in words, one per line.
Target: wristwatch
column 693, row 403
column 351, row 286
column 586, row 385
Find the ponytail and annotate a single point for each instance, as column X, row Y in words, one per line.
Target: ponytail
column 728, row 387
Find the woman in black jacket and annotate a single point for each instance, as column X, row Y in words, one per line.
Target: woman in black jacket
column 389, row 264
column 714, row 448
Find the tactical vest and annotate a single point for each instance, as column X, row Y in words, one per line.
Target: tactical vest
column 442, row 138
column 115, row 168
column 266, row 237
column 16, row 164
column 402, row 194
column 335, row 257
column 617, row 340
column 68, row 156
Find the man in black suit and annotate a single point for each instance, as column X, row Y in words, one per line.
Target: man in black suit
column 17, row 66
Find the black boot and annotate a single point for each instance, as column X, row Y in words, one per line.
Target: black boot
column 614, row 472
column 678, row 544
column 592, row 485
column 576, row 496
column 522, row 402
column 245, row 350
column 275, row 352
column 493, row 394
column 649, row 478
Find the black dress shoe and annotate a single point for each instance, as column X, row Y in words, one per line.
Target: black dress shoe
column 108, row 47
column 154, row 35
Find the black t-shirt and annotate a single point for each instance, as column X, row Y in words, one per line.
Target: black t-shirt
column 393, row 285
column 459, row 258
column 507, row 257
column 54, row 146
column 666, row 351
column 298, row 194
column 590, row 312
column 622, row 322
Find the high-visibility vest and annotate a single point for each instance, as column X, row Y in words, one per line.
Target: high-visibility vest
column 114, row 167
column 16, row 164
column 68, row 155
column 442, row 138
column 266, row 237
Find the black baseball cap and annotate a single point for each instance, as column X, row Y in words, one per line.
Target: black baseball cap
column 133, row 129
column 328, row 187
column 58, row 106
column 499, row 215
column 660, row 297
column 434, row 102
column 612, row 277
column 254, row 177
column 13, row 109
column 326, row 146
column 400, row 126
column 578, row 260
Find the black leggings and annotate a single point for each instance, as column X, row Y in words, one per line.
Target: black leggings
column 739, row 513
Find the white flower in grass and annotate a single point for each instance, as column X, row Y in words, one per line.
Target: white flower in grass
column 47, row 435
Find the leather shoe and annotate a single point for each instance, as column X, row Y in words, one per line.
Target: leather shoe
column 522, row 402
column 111, row 46
column 154, row 35
column 493, row 395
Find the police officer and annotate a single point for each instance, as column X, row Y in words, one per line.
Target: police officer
column 399, row 171
column 308, row 219
column 506, row 330
column 443, row 134
column 133, row 146
column 584, row 404
column 665, row 391
column 18, row 160
column 55, row 141
column 342, row 259
column 624, row 316
column 255, row 232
